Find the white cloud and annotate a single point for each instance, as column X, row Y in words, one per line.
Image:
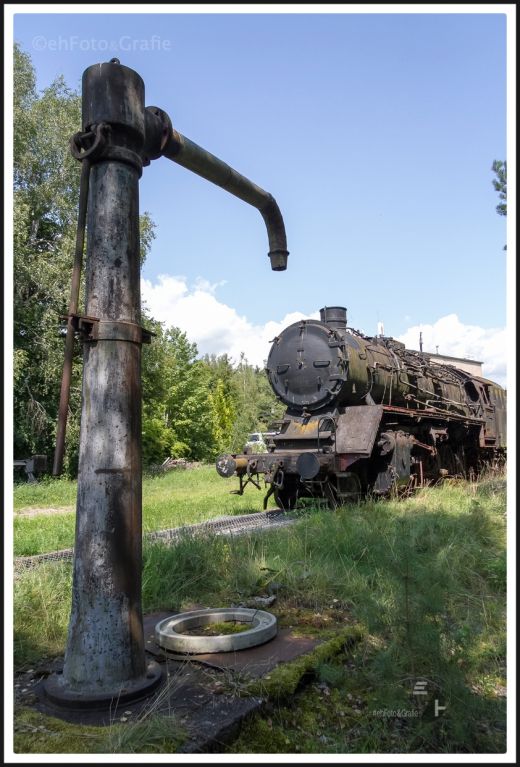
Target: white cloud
column 215, row 327
column 218, row 329
column 488, row 345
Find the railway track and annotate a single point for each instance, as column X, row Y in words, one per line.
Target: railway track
column 229, row 525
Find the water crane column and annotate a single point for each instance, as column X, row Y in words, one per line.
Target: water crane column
column 105, row 657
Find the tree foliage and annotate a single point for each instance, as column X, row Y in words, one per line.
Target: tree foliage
column 46, row 190
column 194, row 408
column 198, row 408
column 45, row 199
column 256, row 405
column 499, row 168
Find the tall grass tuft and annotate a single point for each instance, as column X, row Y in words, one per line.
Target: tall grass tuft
column 426, row 577
column 42, row 601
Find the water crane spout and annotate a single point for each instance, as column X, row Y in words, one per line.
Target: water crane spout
column 181, row 150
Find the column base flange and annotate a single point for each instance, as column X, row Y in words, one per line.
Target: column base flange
column 58, row 693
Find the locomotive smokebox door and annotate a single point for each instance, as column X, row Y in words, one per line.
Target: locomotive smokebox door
column 306, row 367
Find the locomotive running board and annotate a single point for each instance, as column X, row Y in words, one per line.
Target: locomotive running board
column 418, row 415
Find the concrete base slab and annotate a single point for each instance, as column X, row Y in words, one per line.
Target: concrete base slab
column 201, row 692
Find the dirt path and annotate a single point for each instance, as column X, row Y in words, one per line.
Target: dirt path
column 36, row 512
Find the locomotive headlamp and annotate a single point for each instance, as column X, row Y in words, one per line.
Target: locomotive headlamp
column 308, row 465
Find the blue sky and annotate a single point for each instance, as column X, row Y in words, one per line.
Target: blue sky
column 374, row 132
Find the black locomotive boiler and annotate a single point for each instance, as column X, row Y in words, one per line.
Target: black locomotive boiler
column 368, row 415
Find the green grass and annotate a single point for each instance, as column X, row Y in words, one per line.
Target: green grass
column 424, row 577
column 45, row 494
column 41, row 611
column 179, row 497
column 150, row 733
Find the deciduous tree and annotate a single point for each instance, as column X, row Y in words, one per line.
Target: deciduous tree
column 46, row 189
column 499, row 168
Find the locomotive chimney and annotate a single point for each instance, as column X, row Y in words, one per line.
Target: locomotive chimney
column 335, row 316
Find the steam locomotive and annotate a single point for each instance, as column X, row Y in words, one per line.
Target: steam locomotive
column 368, row 415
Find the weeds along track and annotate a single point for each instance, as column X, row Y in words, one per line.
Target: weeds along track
column 230, row 525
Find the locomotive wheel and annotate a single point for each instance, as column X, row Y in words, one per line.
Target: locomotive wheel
column 331, row 494
column 349, row 488
column 286, row 496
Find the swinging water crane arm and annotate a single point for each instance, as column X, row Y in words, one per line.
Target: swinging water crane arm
column 163, row 140
column 103, row 121
column 191, row 156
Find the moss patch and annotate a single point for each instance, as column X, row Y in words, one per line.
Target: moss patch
column 35, row 733
column 283, row 680
column 340, row 712
column 218, row 629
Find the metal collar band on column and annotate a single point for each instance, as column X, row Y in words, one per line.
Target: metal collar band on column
column 107, row 330
column 93, row 329
column 122, row 154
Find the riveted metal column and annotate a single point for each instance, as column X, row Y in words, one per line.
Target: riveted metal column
column 105, row 655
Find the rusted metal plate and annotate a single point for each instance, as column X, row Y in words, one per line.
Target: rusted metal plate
column 191, row 695
column 357, row 429
column 255, row 661
column 197, row 691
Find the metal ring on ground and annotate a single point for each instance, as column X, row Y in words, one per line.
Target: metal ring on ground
column 168, row 632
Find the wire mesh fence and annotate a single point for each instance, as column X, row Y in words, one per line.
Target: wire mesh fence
column 229, row 525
